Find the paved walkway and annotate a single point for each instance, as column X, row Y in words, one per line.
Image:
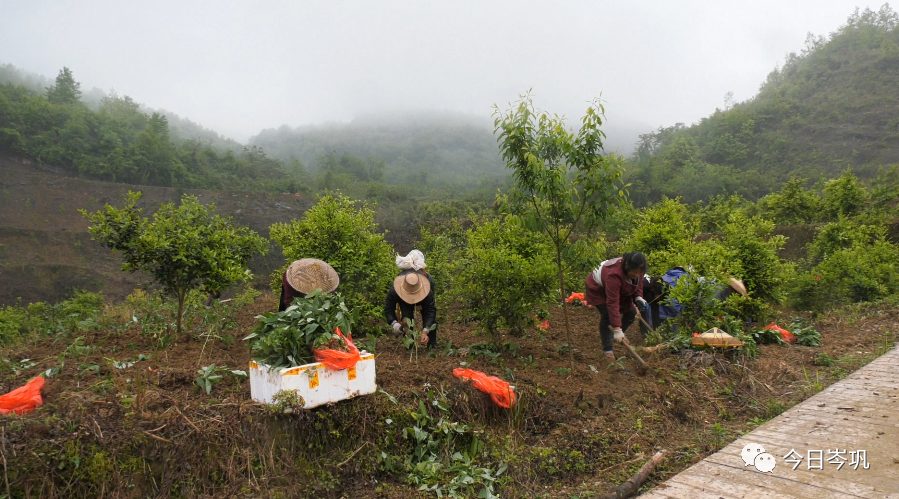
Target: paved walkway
column 858, row 413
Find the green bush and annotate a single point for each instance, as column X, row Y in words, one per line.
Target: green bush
column 793, row 204
column 713, row 215
column 82, row 312
column 12, row 324
column 805, row 333
column 844, row 196
column 336, row 231
column 697, row 295
column 842, row 234
column 754, row 248
column 182, row 248
column 582, row 256
column 505, row 273
column 858, row 274
column 442, row 244
column 665, row 226
column 852, row 262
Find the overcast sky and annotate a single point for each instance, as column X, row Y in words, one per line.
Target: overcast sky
column 241, row 67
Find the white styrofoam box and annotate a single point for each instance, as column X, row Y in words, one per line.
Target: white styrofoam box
column 315, row 383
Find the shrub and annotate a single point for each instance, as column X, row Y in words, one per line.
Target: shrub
column 697, row 295
column 12, row 324
column 793, row 204
column 79, row 313
column 844, row 196
column 664, row 226
column 183, row 248
column 857, row 274
column 750, row 242
column 505, row 273
column 715, row 214
column 842, row 234
column 854, row 263
column 442, row 244
column 806, row 334
column 336, row 231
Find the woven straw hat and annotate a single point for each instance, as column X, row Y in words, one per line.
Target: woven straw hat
column 412, row 287
column 309, row 274
column 738, row 286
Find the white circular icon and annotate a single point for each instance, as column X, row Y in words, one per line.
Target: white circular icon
column 764, row 462
column 750, row 452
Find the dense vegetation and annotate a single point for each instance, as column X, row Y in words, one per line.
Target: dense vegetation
column 829, row 107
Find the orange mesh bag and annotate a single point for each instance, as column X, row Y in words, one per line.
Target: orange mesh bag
column 23, row 399
column 786, row 335
column 335, row 359
column 499, row 390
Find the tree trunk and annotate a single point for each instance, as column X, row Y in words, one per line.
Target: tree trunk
column 628, row 488
column 564, row 307
column 180, row 310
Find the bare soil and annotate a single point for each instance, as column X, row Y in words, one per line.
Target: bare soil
column 582, row 427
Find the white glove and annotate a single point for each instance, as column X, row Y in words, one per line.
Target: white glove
column 619, row 335
column 641, row 302
column 397, row 327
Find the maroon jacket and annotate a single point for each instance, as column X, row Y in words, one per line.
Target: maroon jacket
column 617, row 292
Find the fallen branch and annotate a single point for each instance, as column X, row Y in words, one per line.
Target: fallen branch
column 188, row 421
column 628, row 488
column 351, row 455
column 157, row 437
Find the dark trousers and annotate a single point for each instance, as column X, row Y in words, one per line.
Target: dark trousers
column 605, row 328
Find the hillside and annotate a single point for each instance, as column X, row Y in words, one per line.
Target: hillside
column 829, row 107
column 46, row 251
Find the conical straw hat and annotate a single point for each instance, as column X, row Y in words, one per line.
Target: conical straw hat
column 738, row 286
column 412, row 287
column 309, row 274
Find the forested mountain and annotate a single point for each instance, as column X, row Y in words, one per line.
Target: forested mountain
column 182, row 129
column 832, row 106
column 115, row 139
column 112, row 137
column 423, row 148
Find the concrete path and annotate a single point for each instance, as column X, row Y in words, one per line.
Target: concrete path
column 847, row 437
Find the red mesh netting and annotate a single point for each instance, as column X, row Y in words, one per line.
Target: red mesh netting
column 499, row 390
column 335, row 359
column 23, row 399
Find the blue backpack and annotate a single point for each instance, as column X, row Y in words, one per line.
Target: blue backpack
column 671, row 308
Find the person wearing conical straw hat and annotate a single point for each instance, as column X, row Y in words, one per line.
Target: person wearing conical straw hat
column 733, row 286
column 305, row 276
column 413, row 286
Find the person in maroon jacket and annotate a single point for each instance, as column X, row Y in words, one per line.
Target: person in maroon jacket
column 613, row 288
